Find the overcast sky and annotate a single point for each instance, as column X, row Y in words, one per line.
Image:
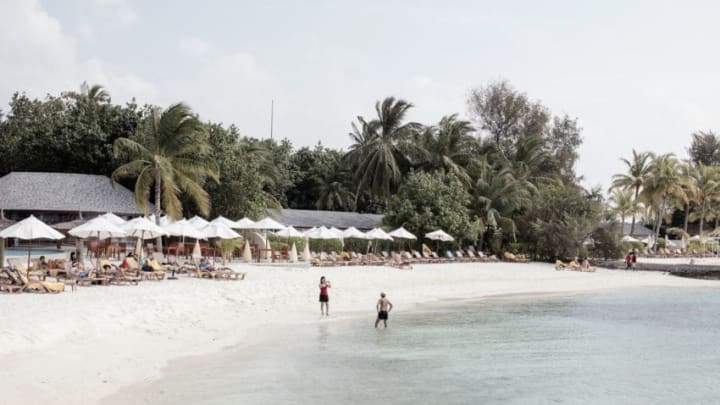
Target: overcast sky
column 641, row 76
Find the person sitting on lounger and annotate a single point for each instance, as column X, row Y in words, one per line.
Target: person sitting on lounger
column 146, row 265
column 574, row 265
column 205, row 265
column 585, row 264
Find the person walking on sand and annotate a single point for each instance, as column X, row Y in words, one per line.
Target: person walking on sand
column 324, row 298
column 634, row 259
column 384, row 306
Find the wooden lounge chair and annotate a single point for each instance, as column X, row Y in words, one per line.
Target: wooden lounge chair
column 19, row 279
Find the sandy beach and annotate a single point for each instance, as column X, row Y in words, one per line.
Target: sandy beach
column 82, row 346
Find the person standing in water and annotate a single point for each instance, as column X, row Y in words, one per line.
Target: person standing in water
column 324, row 298
column 384, row 306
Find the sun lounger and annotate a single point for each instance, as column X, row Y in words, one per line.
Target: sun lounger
column 19, row 279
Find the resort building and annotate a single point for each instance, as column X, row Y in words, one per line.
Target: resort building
column 640, row 231
column 60, row 197
column 306, row 219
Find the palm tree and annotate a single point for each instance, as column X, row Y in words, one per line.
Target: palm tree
column 95, row 94
column 498, row 195
column 662, row 184
column 706, row 182
column 381, row 148
column 690, row 197
column 623, row 205
column 334, row 193
column 638, row 169
column 449, row 146
column 171, row 154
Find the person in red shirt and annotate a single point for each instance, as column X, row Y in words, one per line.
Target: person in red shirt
column 628, row 261
column 324, row 298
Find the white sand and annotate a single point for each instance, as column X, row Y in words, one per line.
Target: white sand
column 78, row 347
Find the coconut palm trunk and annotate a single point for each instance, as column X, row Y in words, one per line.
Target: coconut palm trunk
column 158, row 209
column 632, row 224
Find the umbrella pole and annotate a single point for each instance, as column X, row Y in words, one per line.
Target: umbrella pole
column 29, row 249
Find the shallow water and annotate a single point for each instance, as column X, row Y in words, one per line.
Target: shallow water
column 642, row 346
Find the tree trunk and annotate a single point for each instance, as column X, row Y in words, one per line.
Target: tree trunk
column 687, row 214
column 158, row 209
column 632, row 225
column 659, row 222
column 702, row 223
column 357, row 196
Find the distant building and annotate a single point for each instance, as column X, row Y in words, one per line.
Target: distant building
column 639, row 232
column 60, row 197
column 305, row 219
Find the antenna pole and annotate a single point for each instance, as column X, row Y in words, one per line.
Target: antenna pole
column 272, row 113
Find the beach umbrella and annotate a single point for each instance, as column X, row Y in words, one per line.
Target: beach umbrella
column 245, row 223
column 309, row 231
column 293, row 254
column 100, row 228
column 227, row 222
column 268, row 224
column 196, row 253
column 66, row 226
column 113, row 219
column 247, row 254
column 630, row 239
column 439, row 235
column 322, row 233
column 164, row 220
column 402, row 233
column 142, row 228
column 198, row 222
column 185, row 229
column 337, row 232
column 289, row 232
column 306, row 252
column 30, row 229
column 353, row 232
column 219, row 230
column 378, row 234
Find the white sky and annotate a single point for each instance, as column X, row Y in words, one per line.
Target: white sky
column 640, row 76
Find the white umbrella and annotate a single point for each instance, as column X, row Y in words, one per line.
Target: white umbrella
column 112, row 218
column 198, row 222
column 353, row 232
column 379, row 234
column 164, row 220
column 306, row 252
column 628, row 238
column 402, row 233
column 30, row 228
column 337, row 232
column 293, row 254
column 309, row 232
column 142, row 228
column 322, row 233
column 196, row 253
column 219, row 230
column 247, row 254
column 185, row 229
column 289, row 232
column 268, row 223
column 439, row 235
column 98, row 227
column 245, row 223
column 227, row 222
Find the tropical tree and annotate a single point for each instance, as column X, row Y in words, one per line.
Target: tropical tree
column 623, row 204
column 381, row 150
column 705, row 180
column 663, row 184
column 705, row 148
column 334, row 193
column 448, row 146
column 95, row 94
column 638, row 170
column 171, row 154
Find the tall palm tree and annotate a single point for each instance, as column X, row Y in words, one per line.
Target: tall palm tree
column 381, row 148
column 691, row 194
column 498, row 195
column 334, row 193
column 448, row 146
column 638, row 170
column 171, row 154
column 662, row 184
column 95, row 94
column 706, row 182
column 623, row 205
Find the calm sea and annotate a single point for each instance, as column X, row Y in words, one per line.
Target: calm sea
column 656, row 346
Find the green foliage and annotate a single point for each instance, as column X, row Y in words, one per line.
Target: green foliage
column 705, row 148
column 606, row 242
column 561, row 219
column 428, row 201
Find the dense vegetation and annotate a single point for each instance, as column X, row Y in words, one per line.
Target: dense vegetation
column 505, row 180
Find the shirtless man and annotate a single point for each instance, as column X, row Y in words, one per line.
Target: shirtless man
column 384, row 306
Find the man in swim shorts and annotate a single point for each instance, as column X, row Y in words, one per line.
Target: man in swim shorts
column 384, row 306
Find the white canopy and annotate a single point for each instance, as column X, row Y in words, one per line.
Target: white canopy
column 97, row 227
column 183, row 228
column 30, row 228
column 164, row 220
column 628, row 238
column 227, row 222
column 198, row 222
column 439, row 235
column 352, row 232
column 143, row 228
column 402, row 233
column 268, row 223
column 245, row 223
column 289, row 232
column 113, row 219
column 378, row 234
column 336, row 231
column 219, row 230
column 321, row 233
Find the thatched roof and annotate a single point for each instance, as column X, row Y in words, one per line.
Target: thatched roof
column 338, row 219
column 640, row 230
column 66, row 192
column 4, row 223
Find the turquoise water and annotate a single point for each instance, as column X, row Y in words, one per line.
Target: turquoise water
column 23, row 252
column 641, row 347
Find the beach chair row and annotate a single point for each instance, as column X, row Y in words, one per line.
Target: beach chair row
column 403, row 259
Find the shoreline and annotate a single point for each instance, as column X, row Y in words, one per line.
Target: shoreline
column 114, row 338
